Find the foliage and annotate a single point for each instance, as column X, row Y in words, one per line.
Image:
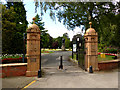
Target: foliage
column 67, row 40
column 59, row 40
column 14, row 60
column 46, row 39
column 109, row 30
column 11, row 56
column 46, row 51
column 110, row 50
column 14, row 24
column 55, row 44
column 80, row 13
column 77, row 13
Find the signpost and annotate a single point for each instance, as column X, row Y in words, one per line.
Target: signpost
column 74, row 48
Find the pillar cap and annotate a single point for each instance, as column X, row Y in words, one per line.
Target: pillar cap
column 33, row 26
column 90, row 30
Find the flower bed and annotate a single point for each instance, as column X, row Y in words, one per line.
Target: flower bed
column 13, row 60
column 108, row 54
column 43, row 51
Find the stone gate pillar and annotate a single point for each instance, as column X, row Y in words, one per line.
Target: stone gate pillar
column 91, row 47
column 33, row 50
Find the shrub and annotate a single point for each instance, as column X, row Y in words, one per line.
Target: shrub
column 13, row 60
column 110, row 50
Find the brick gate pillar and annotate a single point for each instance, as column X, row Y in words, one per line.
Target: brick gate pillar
column 91, row 47
column 33, row 50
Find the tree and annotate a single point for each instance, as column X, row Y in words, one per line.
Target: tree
column 45, row 37
column 117, row 32
column 55, row 44
column 8, row 29
column 20, row 16
column 67, row 40
column 59, row 40
column 14, row 24
column 80, row 13
column 50, row 41
column 77, row 13
column 109, row 30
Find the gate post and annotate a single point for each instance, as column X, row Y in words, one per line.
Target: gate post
column 33, row 50
column 91, row 45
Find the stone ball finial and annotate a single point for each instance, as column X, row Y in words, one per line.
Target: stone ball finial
column 33, row 26
column 34, row 19
column 90, row 24
column 90, row 31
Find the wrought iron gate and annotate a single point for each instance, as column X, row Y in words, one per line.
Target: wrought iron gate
column 81, row 53
column 78, row 49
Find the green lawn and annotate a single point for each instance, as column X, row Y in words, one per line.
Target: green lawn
column 55, row 49
column 107, row 57
column 74, row 56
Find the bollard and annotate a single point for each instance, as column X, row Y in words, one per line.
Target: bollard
column 60, row 66
column 39, row 73
column 90, row 69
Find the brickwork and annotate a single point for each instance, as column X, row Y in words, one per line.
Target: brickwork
column 13, row 70
column 108, row 65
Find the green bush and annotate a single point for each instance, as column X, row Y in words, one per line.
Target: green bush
column 110, row 50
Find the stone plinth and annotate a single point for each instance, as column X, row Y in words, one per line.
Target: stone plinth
column 33, row 50
column 91, row 47
column 63, row 47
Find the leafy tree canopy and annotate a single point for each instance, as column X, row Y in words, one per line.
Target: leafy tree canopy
column 75, row 14
column 14, row 24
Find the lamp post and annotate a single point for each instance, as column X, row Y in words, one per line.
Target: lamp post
column 40, row 71
column 72, row 49
column 77, row 47
column 23, row 47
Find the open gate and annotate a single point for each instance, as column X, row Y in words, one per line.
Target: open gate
column 81, row 53
column 78, row 41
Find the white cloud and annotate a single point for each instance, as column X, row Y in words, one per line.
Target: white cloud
column 3, row 1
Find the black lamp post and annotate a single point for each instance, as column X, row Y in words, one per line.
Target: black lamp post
column 72, row 49
column 40, row 71
column 77, row 47
column 23, row 47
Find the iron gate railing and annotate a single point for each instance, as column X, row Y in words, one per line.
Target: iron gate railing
column 78, row 49
column 81, row 55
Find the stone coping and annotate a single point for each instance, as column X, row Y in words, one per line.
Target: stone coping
column 109, row 61
column 12, row 64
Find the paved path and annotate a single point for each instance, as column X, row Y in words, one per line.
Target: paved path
column 72, row 76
